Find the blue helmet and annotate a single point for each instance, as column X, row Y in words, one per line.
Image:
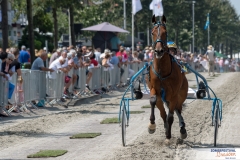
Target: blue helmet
column 171, row 44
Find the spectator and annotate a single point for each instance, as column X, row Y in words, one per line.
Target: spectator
column 38, row 63
column 135, row 57
column 71, row 55
column 24, row 55
column 15, row 63
column 105, row 62
column 55, row 55
column 151, row 54
column 97, row 54
column 56, row 65
column 220, row 62
column 226, row 65
column 146, row 56
column 210, row 57
column 114, row 59
column 77, row 64
column 115, row 42
column 6, row 70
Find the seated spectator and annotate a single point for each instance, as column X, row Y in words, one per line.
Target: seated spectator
column 38, row 63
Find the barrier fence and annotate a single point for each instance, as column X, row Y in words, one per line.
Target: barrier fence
column 40, row 85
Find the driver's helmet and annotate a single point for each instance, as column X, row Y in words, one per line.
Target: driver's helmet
column 171, row 44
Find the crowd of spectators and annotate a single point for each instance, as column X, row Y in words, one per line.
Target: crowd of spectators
column 70, row 58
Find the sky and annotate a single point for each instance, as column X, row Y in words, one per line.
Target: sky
column 236, row 5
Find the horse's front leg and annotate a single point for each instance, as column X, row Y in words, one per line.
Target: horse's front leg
column 170, row 118
column 153, row 101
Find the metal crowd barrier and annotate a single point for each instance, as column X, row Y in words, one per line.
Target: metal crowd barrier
column 82, row 80
column 125, row 77
column 55, row 85
column 4, row 84
column 114, row 76
column 29, row 87
column 95, row 81
column 135, row 67
column 70, row 73
column 34, row 85
column 42, row 86
column 105, row 79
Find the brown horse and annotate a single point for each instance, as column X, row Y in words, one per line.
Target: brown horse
column 166, row 82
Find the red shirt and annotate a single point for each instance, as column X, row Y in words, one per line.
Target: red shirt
column 94, row 62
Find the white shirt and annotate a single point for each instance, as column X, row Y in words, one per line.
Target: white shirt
column 55, row 65
column 97, row 55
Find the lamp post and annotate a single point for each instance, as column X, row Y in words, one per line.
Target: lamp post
column 193, row 19
column 193, row 5
column 124, row 14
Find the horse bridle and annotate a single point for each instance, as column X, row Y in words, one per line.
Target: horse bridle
column 164, row 43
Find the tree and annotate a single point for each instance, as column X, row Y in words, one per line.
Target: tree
column 4, row 6
column 30, row 30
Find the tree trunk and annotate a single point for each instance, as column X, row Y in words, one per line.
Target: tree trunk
column 72, row 26
column 231, row 50
column 176, row 36
column 226, row 47
column 4, row 6
column 30, row 30
column 55, row 23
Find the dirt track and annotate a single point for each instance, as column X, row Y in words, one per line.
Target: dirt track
column 27, row 136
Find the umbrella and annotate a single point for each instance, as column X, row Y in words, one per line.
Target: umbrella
column 128, row 40
column 220, row 55
column 104, row 34
column 102, row 39
column 105, row 26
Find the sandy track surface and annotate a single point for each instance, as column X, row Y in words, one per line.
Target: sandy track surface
column 51, row 130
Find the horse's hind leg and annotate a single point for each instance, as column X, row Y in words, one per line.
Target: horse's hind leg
column 183, row 131
column 153, row 100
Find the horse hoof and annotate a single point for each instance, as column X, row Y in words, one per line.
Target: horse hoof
column 183, row 136
column 151, row 128
column 183, row 133
column 151, row 131
column 167, row 142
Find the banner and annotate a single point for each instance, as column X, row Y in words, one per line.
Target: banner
column 136, row 6
column 207, row 22
column 157, row 7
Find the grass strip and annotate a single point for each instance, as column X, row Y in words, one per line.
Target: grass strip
column 136, row 112
column 85, row 135
column 109, row 120
column 47, row 153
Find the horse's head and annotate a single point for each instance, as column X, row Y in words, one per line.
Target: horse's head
column 159, row 37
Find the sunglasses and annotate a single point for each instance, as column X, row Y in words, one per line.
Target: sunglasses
column 10, row 59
